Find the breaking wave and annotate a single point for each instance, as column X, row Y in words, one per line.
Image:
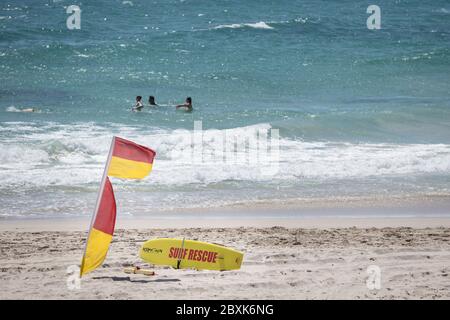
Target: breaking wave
column 257, row 25
column 74, row 156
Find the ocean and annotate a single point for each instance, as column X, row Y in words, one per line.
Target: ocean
column 361, row 114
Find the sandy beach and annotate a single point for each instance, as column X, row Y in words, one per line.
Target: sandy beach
column 283, row 259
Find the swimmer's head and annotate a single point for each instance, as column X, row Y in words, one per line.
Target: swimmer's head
column 151, row 100
column 189, row 100
column 138, row 98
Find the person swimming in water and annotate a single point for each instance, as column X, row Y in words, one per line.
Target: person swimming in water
column 139, row 104
column 151, row 101
column 187, row 104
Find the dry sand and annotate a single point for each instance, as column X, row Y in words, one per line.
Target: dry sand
column 311, row 262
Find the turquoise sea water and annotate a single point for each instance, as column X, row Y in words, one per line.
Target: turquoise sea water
column 361, row 113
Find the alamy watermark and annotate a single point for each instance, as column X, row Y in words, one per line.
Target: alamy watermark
column 73, row 21
column 374, row 20
column 73, row 280
column 373, row 281
column 249, row 146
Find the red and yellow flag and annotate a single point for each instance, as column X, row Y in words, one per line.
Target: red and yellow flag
column 126, row 160
column 101, row 232
column 130, row 160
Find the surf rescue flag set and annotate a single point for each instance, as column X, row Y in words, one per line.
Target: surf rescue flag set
column 126, row 160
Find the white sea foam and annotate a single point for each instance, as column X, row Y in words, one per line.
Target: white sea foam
column 74, row 156
column 257, row 25
column 442, row 10
column 12, row 109
column 25, row 109
column 82, row 55
column 261, row 25
column 425, row 55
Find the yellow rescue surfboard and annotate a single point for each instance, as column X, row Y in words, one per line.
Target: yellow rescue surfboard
column 185, row 254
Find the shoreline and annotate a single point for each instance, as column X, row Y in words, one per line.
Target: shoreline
column 82, row 224
column 404, row 213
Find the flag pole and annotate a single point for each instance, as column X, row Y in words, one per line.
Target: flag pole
column 180, row 255
column 99, row 197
